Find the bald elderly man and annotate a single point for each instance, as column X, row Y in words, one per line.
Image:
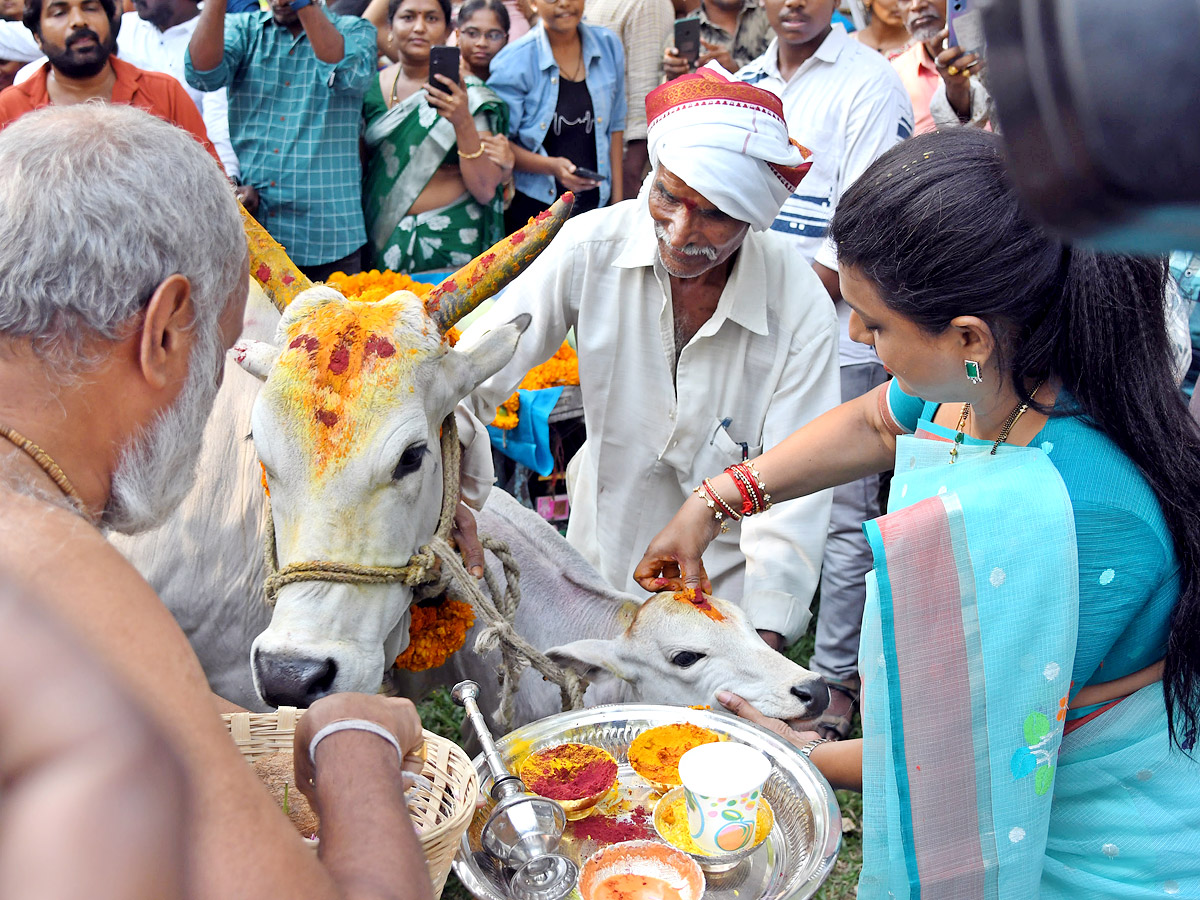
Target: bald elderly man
column 702, row 340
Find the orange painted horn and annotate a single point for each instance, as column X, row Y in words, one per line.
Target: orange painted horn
column 270, row 265
column 494, row 268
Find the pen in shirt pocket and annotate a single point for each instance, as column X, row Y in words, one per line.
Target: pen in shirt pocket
column 725, row 423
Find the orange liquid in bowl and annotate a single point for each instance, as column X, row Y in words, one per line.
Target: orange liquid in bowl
column 631, row 886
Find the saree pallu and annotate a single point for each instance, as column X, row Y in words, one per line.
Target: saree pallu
column 971, row 788
column 968, row 644
column 407, row 145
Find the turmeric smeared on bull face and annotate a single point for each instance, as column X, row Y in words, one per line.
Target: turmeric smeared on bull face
column 700, row 602
column 343, row 369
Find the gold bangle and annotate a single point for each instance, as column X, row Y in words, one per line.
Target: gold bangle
column 478, row 153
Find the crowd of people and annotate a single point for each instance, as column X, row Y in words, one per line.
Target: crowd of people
column 795, row 264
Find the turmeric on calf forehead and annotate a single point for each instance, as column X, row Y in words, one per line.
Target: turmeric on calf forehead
column 683, row 604
column 344, row 364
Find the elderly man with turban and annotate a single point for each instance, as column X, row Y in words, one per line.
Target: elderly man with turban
column 702, row 340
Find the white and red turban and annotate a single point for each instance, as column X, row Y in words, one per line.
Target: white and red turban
column 728, row 141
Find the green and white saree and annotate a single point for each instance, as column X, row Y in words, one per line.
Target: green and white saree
column 406, row 145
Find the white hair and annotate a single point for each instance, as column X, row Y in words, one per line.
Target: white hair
column 99, row 203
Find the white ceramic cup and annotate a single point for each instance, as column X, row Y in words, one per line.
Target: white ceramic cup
column 722, row 785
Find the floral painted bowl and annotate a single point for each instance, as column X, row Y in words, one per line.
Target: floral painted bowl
column 671, row 823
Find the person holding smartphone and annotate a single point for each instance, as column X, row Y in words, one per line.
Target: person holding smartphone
column 564, row 83
column 432, row 194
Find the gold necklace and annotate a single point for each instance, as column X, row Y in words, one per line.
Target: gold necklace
column 1017, row 412
column 45, row 463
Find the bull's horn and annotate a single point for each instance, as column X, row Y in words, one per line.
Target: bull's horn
column 494, row 268
column 270, row 265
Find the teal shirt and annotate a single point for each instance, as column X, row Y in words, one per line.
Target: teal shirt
column 1128, row 572
column 294, row 123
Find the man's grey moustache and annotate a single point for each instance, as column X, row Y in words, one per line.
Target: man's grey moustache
column 687, row 249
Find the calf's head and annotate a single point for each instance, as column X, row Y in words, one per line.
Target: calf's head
column 682, row 648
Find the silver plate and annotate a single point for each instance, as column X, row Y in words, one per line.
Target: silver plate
column 794, row 860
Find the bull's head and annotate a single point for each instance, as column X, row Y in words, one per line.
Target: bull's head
column 347, row 426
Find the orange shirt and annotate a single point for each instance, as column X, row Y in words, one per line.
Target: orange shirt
column 920, row 78
column 154, row 92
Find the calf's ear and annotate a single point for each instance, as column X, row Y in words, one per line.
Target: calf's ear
column 596, row 660
column 255, row 357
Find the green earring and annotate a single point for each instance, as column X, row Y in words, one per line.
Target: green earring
column 974, row 375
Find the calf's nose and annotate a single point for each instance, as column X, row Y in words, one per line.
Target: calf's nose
column 286, row 680
column 813, row 693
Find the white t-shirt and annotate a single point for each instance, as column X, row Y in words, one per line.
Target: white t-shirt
column 847, row 105
column 764, row 364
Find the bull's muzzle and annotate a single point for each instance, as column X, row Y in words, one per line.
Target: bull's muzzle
column 286, row 680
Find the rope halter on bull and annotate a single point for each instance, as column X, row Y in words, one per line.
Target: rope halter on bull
column 435, row 568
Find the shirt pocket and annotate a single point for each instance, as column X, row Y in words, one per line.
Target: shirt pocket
column 718, row 450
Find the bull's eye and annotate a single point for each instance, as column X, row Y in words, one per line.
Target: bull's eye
column 686, row 658
column 410, row 460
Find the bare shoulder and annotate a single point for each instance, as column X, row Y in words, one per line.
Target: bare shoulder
column 237, row 830
column 85, row 580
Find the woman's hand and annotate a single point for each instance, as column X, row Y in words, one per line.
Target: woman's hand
column 743, row 709
column 497, row 149
column 956, row 68
column 564, row 171
column 450, row 100
column 672, row 561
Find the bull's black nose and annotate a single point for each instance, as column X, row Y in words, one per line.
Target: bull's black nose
column 293, row 681
column 813, row 693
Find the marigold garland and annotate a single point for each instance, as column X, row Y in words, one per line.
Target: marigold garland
column 560, row 369
column 439, row 629
column 434, row 632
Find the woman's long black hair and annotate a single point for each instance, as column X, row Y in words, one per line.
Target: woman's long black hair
column 936, row 225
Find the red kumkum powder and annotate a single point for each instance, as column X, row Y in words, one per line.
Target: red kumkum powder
column 612, row 830
column 569, row 772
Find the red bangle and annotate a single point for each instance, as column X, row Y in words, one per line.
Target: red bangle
column 748, row 505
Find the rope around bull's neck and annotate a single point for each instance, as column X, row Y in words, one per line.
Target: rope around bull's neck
column 422, row 573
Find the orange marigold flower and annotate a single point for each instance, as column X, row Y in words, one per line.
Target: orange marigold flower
column 559, row 370
column 434, row 632
column 375, row 285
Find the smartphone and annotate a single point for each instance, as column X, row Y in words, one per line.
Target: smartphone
column 965, row 21
column 687, row 40
column 589, row 174
column 443, row 61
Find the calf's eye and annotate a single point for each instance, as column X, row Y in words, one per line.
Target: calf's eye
column 410, row 460
column 686, row 658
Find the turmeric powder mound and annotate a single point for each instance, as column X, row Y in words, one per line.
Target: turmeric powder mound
column 654, row 754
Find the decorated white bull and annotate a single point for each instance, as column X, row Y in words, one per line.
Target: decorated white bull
column 348, row 426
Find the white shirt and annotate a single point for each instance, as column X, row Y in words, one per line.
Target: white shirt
column 143, row 45
column 763, row 365
column 847, row 105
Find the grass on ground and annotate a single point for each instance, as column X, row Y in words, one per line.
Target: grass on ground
column 441, row 716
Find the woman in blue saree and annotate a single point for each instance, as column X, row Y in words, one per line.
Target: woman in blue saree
column 437, row 158
column 1031, row 641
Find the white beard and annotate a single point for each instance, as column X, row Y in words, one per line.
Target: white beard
column 157, row 467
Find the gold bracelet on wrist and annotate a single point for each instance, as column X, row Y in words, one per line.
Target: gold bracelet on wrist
column 478, row 153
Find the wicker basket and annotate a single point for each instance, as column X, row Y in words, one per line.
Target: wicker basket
column 441, row 819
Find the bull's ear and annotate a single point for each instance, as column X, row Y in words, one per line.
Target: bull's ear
column 255, row 357
column 466, row 369
column 596, row 660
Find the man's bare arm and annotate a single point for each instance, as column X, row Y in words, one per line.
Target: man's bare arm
column 238, row 834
